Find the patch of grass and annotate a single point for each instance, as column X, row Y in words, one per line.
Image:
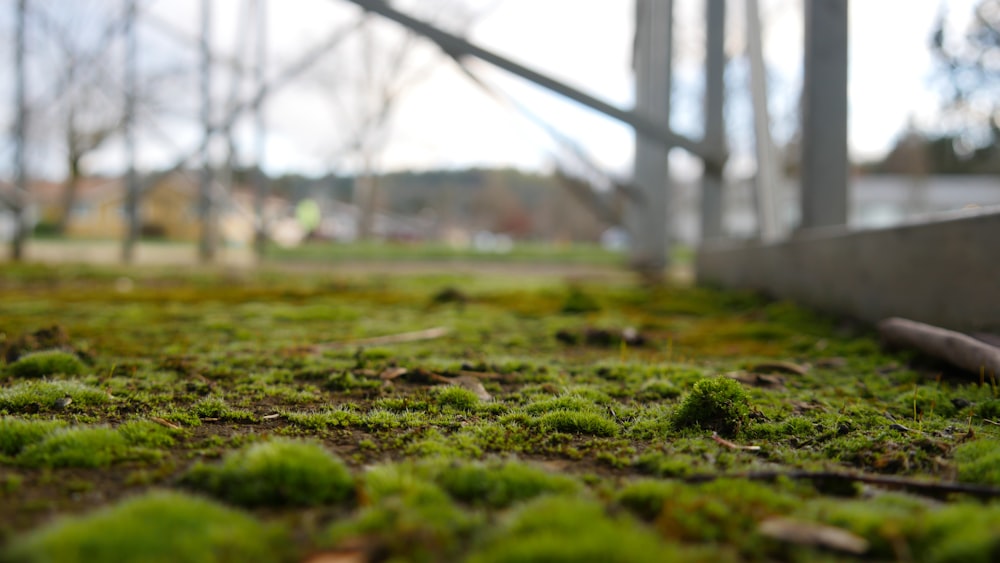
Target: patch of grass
column 979, row 461
column 409, row 517
column 46, row 363
column 959, row 532
column 571, row 422
column 577, row 302
column 498, row 485
column 216, row 407
column 159, row 526
column 456, row 397
column 334, row 418
column 16, row 434
column 79, row 446
column 720, row 404
column 147, row 434
column 279, row 472
column 569, row 529
column 45, row 395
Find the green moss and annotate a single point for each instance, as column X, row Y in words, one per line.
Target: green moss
column 655, row 389
column 571, row 422
column 961, row 532
column 46, row 395
column 46, row 363
column 334, row 418
column 216, row 407
column 979, row 461
column 16, row 434
column 157, row 527
column 563, row 403
column 720, row 404
column 498, row 485
column 660, row 464
column 456, row 397
column 571, row 529
column 409, row 517
column 577, row 302
column 96, row 446
column 276, row 473
column 722, row 510
column 147, row 434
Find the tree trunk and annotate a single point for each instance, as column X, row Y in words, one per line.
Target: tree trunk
column 70, row 189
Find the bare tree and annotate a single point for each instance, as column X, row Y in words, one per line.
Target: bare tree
column 90, row 114
column 370, row 78
column 970, row 74
column 20, row 132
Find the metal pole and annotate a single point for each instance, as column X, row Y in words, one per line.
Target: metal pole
column 648, row 220
column 20, row 134
column 824, row 114
column 715, row 126
column 206, row 247
column 131, row 179
column 767, row 167
column 456, row 46
column 260, row 139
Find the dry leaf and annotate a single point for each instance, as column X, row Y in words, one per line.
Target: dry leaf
column 474, row 385
column 812, row 534
column 392, row 373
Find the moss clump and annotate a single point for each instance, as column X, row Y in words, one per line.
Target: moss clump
column 216, row 407
column 45, row 363
column 160, row 526
column 979, row 462
column 45, row 395
column 147, row 434
column 570, row 529
column 94, row 446
column 578, row 302
column 409, row 517
column 280, row 472
column 16, row 434
column 720, row 404
column 572, row 422
column 963, row 532
column 498, row 485
column 457, row 398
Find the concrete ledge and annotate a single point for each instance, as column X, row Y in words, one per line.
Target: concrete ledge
column 945, row 271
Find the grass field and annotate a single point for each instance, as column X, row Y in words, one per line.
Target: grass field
column 217, row 416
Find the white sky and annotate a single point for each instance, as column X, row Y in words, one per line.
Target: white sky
column 445, row 121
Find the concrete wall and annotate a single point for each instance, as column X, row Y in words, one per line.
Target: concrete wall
column 944, row 272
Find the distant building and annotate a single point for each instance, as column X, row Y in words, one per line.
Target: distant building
column 168, row 209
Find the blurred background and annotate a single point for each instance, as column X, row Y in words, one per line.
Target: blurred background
column 309, row 130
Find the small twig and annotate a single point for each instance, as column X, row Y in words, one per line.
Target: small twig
column 926, row 488
column 163, row 422
column 400, row 338
column 733, row 446
column 993, row 422
column 270, row 416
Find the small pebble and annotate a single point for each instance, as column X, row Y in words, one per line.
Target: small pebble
column 64, row 402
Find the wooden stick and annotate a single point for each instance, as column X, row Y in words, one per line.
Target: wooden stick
column 416, row 336
column 957, row 349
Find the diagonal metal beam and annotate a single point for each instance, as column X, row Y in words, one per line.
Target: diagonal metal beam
column 456, row 47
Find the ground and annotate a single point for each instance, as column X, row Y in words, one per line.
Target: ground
column 501, row 417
